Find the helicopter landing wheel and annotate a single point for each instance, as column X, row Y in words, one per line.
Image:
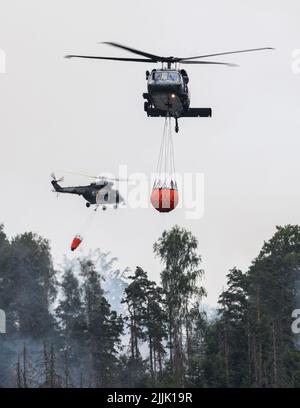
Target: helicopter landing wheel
column 87, row 205
column 104, row 207
column 116, row 206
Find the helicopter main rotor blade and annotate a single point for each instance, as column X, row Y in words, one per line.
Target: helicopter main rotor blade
column 99, row 177
column 111, row 58
column 154, row 57
column 113, row 179
column 209, row 62
column 226, row 53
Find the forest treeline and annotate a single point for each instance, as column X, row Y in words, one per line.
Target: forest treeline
column 62, row 332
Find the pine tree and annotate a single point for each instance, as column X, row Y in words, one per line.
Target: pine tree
column 52, row 378
column 199, row 327
column 25, row 370
column 27, row 290
column 104, row 328
column 34, row 288
column 272, row 279
column 70, row 314
column 233, row 327
column 135, row 300
column 177, row 250
column 146, row 321
column 155, row 330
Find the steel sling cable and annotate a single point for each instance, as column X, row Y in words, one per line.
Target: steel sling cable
column 173, row 175
column 160, row 159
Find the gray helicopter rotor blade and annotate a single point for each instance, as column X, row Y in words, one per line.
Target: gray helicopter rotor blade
column 227, row 53
column 154, row 57
column 96, row 177
column 209, row 62
column 80, row 174
column 110, row 58
column 114, row 179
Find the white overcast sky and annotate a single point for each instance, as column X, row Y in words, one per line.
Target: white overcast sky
column 87, row 116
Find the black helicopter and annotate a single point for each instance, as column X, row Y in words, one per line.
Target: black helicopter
column 168, row 93
column 98, row 193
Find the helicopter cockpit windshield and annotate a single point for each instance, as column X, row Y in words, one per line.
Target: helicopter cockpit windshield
column 166, row 76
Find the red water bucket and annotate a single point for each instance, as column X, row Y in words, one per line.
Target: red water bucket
column 76, row 242
column 164, row 199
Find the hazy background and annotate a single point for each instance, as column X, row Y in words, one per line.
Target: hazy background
column 87, row 116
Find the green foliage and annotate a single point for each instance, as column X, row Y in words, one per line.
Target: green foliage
column 62, row 332
column 104, row 327
column 177, row 250
column 146, row 322
column 255, row 346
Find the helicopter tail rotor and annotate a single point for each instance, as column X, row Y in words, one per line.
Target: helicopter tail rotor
column 53, row 177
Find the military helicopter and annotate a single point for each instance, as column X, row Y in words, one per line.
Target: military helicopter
column 97, row 193
column 168, row 93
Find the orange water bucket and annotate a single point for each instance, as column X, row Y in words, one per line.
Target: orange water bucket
column 164, row 199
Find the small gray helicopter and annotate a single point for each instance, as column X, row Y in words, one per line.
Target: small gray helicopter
column 168, row 93
column 97, row 193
